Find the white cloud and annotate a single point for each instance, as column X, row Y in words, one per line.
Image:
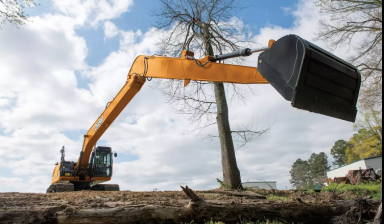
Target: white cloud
column 93, row 11
column 40, row 100
column 10, row 184
column 110, row 30
column 31, row 185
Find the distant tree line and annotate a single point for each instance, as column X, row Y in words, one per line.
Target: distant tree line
column 367, row 142
column 306, row 174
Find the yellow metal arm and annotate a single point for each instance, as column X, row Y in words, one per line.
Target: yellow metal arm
column 183, row 68
column 187, row 69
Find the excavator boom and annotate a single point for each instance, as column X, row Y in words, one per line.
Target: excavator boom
column 165, row 68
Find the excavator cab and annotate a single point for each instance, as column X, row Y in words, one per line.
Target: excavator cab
column 101, row 162
column 311, row 78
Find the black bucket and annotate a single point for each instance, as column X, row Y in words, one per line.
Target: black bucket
column 312, row 78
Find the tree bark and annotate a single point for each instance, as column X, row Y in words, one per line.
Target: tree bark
column 378, row 218
column 231, row 173
column 379, row 215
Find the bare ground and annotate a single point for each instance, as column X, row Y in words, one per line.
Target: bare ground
column 170, row 207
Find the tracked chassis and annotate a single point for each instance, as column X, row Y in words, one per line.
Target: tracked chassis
column 56, row 188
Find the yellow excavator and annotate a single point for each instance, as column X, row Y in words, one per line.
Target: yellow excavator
column 309, row 77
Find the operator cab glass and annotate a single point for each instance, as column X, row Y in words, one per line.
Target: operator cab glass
column 102, row 162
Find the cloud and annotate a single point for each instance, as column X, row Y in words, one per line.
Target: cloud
column 92, row 11
column 287, row 10
column 110, row 30
column 29, row 185
column 10, row 184
column 40, row 97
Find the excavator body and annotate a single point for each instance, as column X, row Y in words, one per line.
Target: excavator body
column 309, row 77
column 99, row 170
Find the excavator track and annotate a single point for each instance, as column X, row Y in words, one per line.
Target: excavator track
column 105, row 187
column 57, row 188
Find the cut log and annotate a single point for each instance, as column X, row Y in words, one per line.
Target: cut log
column 163, row 207
column 235, row 194
column 191, row 194
column 195, row 211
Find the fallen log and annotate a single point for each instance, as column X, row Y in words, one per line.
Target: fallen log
column 195, row 211
column 379, row 215
column 236, row 194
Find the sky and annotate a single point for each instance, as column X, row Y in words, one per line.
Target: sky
column 58, row 71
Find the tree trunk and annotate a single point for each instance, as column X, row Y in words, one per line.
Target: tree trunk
column 231, row 173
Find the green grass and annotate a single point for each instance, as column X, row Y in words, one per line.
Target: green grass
column 311, row 191
column 373, row 189
column 278, row 198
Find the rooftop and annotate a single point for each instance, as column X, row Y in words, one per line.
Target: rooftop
column 356, row 162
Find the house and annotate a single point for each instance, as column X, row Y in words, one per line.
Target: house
column 268, row 185
column 373, row 162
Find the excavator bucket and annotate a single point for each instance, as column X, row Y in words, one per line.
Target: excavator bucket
column 312, row 78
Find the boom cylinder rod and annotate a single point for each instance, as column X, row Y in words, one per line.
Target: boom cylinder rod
column 241, row 53
column 261, row 49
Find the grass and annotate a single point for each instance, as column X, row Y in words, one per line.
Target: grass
column 372, row 189
column 311, row 191
column 267, row 222
column 278, row 198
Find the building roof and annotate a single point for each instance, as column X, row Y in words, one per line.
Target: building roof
column 374, row 157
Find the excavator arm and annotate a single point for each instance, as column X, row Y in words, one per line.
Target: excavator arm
column 184, row 68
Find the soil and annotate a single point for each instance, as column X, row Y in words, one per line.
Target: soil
column 94, row 199
column 160, row 207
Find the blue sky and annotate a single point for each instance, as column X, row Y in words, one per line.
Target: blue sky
column 72, row 69
column 256, row 14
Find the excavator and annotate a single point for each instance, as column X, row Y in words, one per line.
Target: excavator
column 309, row 77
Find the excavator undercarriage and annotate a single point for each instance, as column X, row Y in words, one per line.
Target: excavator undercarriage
column 69, row 187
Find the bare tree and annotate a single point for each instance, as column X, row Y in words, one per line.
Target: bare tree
column 12, row 11
column 206, row 27
column 349, row 19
